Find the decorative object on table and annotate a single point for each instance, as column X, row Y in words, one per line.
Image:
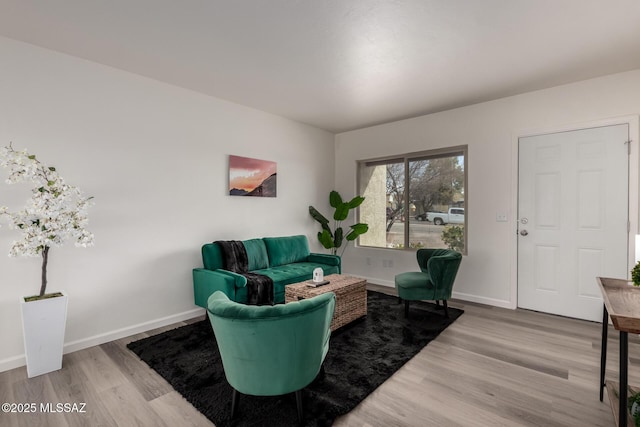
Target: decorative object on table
column 635, row 275
column 318, row 275
column 318, row 278
column 333, row 239
column 259, row 359
column 252, row 177
column 314, row 284
column 55, row 213
column 189, row 360
column 434, row 281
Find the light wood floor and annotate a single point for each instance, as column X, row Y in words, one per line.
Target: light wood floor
column 492, row 367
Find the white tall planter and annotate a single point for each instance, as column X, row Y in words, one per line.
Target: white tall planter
column 43, row 324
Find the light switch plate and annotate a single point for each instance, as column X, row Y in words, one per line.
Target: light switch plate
column 501, row 217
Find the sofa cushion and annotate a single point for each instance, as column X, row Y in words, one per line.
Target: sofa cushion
column 295, row 272
column 256, row 253
column 286, row 250
column 212, row 256
column 292, row 273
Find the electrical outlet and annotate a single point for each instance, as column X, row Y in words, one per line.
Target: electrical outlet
column 368, row 261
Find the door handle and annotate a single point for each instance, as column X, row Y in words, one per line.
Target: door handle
column 524, row 233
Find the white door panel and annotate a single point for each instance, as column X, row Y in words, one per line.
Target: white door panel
column 573, row 214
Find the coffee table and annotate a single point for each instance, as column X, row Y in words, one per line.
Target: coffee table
column 351, row 296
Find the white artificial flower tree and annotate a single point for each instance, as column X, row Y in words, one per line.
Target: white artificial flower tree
column 55, row 212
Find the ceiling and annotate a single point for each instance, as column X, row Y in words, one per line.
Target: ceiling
column 342, row 64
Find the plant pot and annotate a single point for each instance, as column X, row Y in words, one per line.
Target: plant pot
column 43, row 324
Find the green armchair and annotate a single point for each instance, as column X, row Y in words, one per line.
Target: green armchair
column 435, row 280
column 271, row 350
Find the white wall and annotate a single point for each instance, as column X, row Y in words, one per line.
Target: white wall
column 155, row 158
column 490, row 130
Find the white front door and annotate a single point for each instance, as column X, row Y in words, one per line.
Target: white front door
column 572, row 218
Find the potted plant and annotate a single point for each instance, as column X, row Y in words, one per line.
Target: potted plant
column 333, row 239
column 635, row 275
column 633, row 403
column 55, row 213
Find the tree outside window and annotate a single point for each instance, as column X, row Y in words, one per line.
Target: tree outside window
column 415, row 201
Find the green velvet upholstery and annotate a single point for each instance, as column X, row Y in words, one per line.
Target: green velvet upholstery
column 434, row 281
column 256, row 254
column 212, row 256
column 287, row 250
column 285, row 259
column 271, row 350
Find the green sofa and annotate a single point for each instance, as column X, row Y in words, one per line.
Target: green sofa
column 285, row 260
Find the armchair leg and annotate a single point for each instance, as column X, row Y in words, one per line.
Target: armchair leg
column 406, row 309
column 235, row 397
column 299, row 405
column 446, row 308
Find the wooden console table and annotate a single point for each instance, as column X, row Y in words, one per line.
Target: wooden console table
column 622, row 304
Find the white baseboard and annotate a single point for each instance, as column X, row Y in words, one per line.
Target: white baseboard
column 457, row 295
column 12, row 362
column 376, row 281
column 70, row 347
column 483, row 300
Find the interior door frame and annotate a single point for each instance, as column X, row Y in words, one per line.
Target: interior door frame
column 634, row 186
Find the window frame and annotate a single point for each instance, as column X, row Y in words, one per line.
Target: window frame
column 405, row 159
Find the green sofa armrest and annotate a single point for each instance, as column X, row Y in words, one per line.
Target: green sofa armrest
column 239, row 280
column 326, row 259
column 206, row 282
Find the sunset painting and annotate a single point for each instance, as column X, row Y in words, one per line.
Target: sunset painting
column 251, row 177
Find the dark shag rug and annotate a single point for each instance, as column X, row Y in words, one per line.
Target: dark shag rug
column 362, row 355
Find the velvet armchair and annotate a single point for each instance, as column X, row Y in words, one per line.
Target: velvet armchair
column 434, row 281
column 271, row 350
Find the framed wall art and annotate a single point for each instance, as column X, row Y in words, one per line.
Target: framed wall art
column 252, row 177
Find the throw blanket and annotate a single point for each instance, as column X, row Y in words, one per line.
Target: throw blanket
column 234, row 258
